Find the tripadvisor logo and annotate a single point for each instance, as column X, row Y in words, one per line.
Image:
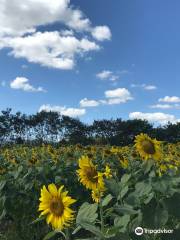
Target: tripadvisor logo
column 139, row 231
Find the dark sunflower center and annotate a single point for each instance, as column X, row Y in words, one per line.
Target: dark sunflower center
column 92, row 174
column 148, row 147
column 57, row 207
column 107, row 152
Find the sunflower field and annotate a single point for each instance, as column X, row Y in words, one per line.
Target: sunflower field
column 90, row 192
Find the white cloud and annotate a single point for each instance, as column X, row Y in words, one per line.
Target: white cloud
column 19, row 21
column 169, row 99
column 18, row 17
column 157, row 117
column 71, row 112
column 50, row 48
column 144, row 86
column 162, row 106
column 106, row 74
column 116, row 96
column 22, row 83
column 149, row 87
column 67, row 32
column 166, row 106
column 121, row 93
column 101, row 33
column 88, row 103
column 113, row 101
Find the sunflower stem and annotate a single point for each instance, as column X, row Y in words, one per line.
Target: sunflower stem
column 101, row 215
column 67, row 234
column 63, row 234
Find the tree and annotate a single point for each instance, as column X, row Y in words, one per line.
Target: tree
column 51, row 127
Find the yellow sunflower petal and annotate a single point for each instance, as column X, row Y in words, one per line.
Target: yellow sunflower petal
column 53, row 189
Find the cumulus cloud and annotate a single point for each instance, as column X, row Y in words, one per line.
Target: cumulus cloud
column 117, row 96
column 71, row 112
column 112, row 97
column 106, row 74
column 101, row 33
column 121, row 93
column 19, row 17
column 157, row 117
column 22, row 83
column 114, row 101
column 88, row 103
column 49, row 48
column 19, row 21
column 169, row 99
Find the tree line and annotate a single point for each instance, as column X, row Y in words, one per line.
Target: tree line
column 51, row 127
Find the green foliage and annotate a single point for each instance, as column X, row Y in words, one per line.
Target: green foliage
column 134, row 196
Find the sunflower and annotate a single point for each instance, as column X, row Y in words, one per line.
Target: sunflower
column 107, row 172
column 147, row 147
column 114, row 150
column 124, row 163
column 88, row 174
column 55, row 204
column 96, row 195
column 107, row 153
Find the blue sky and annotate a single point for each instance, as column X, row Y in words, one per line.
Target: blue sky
column 91, row 59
